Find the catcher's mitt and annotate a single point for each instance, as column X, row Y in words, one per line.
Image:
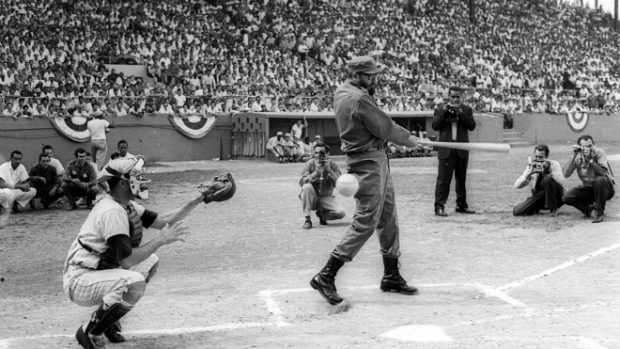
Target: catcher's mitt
column 220, row 188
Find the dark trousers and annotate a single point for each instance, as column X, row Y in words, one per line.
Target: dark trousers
column 44, row 194
column 74, row 191
column 547, row 195
column 581, row 197
column 447, row 167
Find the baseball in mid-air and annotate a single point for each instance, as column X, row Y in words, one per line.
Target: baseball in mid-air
column 347, row 184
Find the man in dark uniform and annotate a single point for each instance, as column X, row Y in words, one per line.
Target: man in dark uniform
column 364, row 131
column 44, row 178
column 80, row 180
column 453, row 120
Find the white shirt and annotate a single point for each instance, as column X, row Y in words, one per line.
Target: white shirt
column 297, row 130
column 58, row 166
column 12, row 177
column 556, row 173
column 97, row 128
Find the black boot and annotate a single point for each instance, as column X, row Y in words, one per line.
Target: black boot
column 324, row 281
column 392, row 281
column 100, row 321
column 113, row 333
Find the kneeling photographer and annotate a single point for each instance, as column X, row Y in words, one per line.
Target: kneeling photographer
column 596, row 176
column 317, row 182
column 545, row 179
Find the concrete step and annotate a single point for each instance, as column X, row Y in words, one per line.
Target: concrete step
column 512, row 139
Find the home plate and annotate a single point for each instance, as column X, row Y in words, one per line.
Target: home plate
column 418, row 333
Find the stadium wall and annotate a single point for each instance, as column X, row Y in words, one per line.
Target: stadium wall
column 548, row 128
column 488, row 128
column 154, row 137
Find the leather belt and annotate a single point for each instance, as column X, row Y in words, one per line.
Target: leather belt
column 369, row 150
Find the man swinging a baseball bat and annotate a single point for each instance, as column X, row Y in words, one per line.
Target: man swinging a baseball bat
column 453, row 120
column 364, row 131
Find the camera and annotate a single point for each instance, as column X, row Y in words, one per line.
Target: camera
column 540, row 167
column 577, row 149
column 322, row 157
column 451, row 113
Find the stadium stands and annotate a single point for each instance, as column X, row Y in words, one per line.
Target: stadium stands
column 289, row 55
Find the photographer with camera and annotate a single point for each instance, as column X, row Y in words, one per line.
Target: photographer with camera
column 453, row 120
column 545, row 179
column 596, row 176
column 317, row 182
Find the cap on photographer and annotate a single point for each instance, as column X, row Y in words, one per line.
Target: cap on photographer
column 545, row 179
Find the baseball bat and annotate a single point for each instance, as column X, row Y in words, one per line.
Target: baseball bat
column 490, row 147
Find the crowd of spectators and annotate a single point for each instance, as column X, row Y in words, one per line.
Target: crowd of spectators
column 289, row 55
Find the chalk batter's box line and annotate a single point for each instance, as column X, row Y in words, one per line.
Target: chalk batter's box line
column 277, row 315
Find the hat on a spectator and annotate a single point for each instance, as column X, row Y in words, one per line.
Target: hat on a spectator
column 279, row 133
column 287, row 135
column 364, row 64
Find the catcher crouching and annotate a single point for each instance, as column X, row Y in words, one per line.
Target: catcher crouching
column 108, row 264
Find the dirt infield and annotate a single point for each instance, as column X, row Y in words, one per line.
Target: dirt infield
column 488, row 280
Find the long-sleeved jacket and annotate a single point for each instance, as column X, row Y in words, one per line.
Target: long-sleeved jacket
column 464, row 124
column 588, row 171
column 362, row 125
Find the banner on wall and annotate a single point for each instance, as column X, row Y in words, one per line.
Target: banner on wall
column 194, row 126
column 577, row 121
column 73, row 128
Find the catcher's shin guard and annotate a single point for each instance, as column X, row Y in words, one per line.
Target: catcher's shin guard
column 113, row 333
column 324, row 281
column 102, row 319
column 392, row 281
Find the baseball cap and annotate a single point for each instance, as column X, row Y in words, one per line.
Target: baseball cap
column 120, row 167
column 279, row 133
column 317, row 136
column 364, row 64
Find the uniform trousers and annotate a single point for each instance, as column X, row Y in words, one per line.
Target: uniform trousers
column 78, row 190
column 375, row 207
column 88, row 287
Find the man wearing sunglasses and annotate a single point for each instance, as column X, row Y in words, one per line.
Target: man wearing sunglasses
column 364, row 131
column 545, row 178
column 453, row 120
column 596, row 176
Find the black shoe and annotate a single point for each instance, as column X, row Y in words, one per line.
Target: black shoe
column 32, row 205
column 396, row 283
column 600, row 217
column 72, row 207
column 113, row 333
column 89, row 341
column 15, row 208
column 464, row 210
column 553, row 213
column 439, row 211
column 325, row 285
column 321, row 216
column 308, row 224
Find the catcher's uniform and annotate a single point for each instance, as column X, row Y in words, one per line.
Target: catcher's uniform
column 89, row 278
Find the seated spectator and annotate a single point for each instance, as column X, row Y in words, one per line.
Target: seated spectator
column 80, row 180
column 289, row 148
column 15, row 188
column 49, row 150
column 274, row 144
column 44, row 178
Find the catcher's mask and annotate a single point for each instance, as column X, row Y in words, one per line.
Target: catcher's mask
column 131, row 169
